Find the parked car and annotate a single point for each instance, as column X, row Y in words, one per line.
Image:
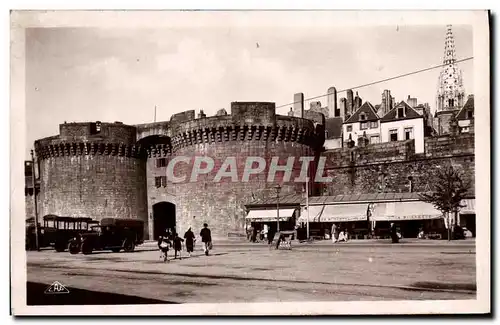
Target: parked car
column 112, row 234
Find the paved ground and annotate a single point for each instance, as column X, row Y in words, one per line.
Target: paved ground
column 358, row 270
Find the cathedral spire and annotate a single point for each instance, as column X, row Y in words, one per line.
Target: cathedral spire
column 450, row 94
column 449, row 47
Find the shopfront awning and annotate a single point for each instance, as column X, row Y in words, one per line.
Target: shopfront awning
column 315, row 212
column 469, row 206
column 269, row 215
column 344, row 212
column 411, row 210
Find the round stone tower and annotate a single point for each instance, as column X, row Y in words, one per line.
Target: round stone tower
column 93, row 170
column 251, row 130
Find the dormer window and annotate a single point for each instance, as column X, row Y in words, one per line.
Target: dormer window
column 362, row 117
column 400, row 112
column 470, row 115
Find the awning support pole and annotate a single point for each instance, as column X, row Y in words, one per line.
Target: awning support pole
column 307, row 205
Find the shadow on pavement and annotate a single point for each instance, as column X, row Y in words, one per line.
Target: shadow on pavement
column 35, row 295
column 445, row 286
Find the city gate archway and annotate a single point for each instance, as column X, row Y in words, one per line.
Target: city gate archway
column 163, row 218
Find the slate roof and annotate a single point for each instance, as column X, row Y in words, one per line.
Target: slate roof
column 410, row 113
column 368, row 109
column 333, row 126
column 469, row 106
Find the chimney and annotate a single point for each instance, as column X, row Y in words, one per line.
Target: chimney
column 201, row 114
column 357, row 102
column 350, row 102
column 332, row 102
column 298, row 105
column 343, row 109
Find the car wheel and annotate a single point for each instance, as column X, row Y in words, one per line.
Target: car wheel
column 128, row 245
column 74, row 247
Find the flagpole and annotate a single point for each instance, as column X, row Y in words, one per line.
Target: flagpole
column 155, row 113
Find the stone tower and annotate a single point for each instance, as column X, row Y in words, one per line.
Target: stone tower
column 451, row 93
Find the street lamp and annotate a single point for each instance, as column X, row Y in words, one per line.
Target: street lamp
column 33, row 182
column 307, row 204
column 278, row 189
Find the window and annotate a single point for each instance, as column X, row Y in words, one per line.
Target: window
column 393, row 135
column 465, row 129
column 162, row 162
column 363, row 125
column 470, row 115
column 349, row 128
column 401, row 112
column 408, row 133
column 374, row 124
column 161, row 181
column 450, row 102
column 374, row 139
column 362, row 116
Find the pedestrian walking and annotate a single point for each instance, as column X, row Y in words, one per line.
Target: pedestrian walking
column 178, row 245
column 394, row 234
column 335, row 234
column 190, row 239
column 164, row 244
column 206, row 238
column 270, row 235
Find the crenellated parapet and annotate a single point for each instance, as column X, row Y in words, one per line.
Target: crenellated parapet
column 248, row 121
column 66, row 149
column 283, row 133
column 159, row 150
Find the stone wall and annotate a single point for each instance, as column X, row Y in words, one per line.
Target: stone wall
column 83, row 174
column 95, row 186
column 251, row 130
column 386, row 167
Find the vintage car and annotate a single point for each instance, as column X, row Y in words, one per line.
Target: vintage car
column 112, row 234
column 56, row 231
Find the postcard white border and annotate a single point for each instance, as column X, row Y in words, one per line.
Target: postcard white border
column 478, row 19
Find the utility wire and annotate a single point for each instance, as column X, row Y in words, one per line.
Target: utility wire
column 382, row 80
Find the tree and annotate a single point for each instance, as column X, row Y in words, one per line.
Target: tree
column 448, row 191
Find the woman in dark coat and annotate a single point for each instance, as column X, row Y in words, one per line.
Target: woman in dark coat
column 189, row 236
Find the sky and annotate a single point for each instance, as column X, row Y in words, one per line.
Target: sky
column 120, row 74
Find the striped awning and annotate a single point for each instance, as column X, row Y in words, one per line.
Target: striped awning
column 410, row 210
column 344, row 212
column 469, row 206
column 315, row 212
column 269, row 215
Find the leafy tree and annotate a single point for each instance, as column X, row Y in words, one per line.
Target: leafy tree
column 448, row 191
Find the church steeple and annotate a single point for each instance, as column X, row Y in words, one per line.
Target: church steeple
column 451, row 93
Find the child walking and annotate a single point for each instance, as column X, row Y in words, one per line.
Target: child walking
column 178, row 245
column 163, row 244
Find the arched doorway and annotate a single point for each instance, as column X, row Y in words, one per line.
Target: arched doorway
column 163, row 218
